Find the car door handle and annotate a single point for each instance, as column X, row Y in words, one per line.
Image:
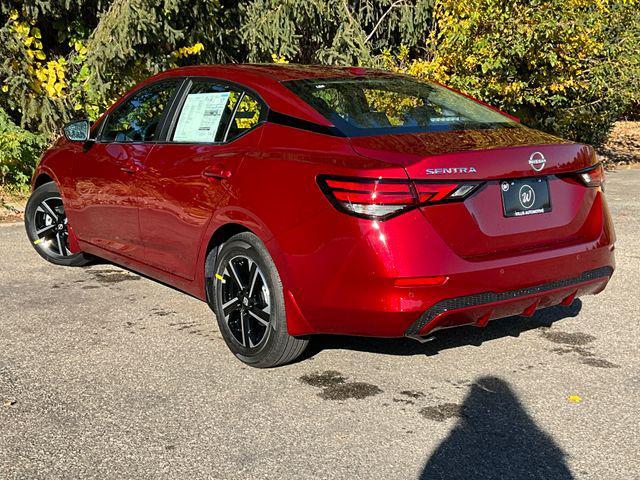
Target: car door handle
column 217, row 172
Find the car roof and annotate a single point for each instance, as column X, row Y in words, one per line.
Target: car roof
column 282, row 71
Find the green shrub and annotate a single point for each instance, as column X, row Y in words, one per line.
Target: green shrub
column 19, row 152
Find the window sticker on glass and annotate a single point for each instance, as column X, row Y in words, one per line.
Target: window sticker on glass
column 200, row 117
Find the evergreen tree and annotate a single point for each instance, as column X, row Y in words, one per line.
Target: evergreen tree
column 137, row 37
column 342, row 32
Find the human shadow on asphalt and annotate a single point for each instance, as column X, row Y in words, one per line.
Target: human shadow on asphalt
column 445, row 339
column 495, row 438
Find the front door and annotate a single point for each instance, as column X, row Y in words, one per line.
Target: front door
column 107, row 185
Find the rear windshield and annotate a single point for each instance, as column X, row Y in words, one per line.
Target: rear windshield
column 374, row 106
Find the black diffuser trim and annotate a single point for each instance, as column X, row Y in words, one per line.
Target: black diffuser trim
column 491, row 297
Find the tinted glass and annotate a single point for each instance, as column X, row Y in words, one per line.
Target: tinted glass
column 374, row 106
column 250, row 112
column 214, row 113
column 137, row 119
column 205, row 113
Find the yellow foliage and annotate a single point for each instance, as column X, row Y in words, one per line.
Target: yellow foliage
column 47, row 77
column 194, row 49
column 430, row 69
column 80, row 48
column 248, row 105
column 52, row 78
column 278, row 59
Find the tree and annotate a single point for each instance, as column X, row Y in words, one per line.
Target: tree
column 135, row 38
column 34, row 45
column 335, row 32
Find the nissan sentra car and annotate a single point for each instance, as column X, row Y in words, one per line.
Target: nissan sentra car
column 298, row 200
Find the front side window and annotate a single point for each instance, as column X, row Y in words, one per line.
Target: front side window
column 138, row 118
column 394, row 104
column 215, row 113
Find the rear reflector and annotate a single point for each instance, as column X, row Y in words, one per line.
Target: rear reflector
column 463, row 190
column 420, row 281
column 380, row 199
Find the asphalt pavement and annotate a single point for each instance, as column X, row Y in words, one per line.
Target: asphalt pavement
column 107, row 374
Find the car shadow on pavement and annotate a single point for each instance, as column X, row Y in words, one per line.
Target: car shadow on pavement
column 445, row 339
column 101, row 262
column 495, row 438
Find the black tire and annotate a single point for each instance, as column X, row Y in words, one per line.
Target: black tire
column 259, row 300
column 45, row 211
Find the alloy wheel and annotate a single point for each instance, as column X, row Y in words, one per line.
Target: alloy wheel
column 246, row 301
column 50, row 227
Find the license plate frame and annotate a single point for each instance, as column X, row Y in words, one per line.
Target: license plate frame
column 522, row 197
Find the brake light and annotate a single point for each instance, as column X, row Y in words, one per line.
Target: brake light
column 380, row 199
column 593, row 177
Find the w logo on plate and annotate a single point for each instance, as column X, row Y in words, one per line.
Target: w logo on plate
column 527, row 196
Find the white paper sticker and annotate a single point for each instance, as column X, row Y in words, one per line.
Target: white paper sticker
column 200, row 117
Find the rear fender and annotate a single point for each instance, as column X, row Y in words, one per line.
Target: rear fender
column 296, row 323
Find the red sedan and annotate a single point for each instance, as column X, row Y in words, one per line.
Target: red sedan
column 297, row 200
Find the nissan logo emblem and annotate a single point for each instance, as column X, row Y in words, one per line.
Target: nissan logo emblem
column 537, row 161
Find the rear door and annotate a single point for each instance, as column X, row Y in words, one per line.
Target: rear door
column 106, row 175
column 190, row 174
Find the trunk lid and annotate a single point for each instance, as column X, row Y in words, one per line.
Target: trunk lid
column 477, row 228
column 476, row 154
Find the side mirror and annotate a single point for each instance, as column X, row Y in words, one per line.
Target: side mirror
column 77, row 131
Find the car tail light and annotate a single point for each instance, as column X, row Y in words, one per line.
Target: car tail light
column 380, row 199
column 593, row 177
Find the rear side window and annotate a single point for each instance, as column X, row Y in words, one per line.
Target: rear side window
column 394, row 104
column 250, row 112
column 215, row 113
column 138, row 118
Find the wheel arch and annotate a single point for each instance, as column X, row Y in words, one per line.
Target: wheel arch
column 41, row 179
column 296, row 322
column 44, row 173
column 220, row 236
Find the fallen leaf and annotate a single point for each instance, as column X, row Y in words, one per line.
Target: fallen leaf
column 574, row 398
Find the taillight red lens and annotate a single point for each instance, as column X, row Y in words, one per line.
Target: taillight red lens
column 368, row 197
column 434, row 192
column 380, row 199
column 594, row 177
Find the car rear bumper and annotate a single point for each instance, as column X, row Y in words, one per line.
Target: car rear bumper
column 480, row 308
column 380, row 308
